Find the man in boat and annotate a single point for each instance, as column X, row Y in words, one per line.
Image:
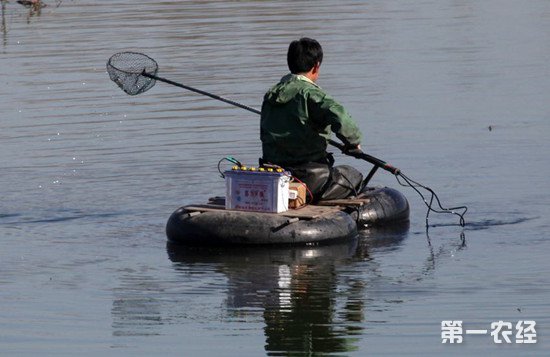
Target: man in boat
column 296, row 122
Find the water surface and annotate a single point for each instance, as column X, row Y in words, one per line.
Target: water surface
column 453, row 93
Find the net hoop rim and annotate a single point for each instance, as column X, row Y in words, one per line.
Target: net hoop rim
column 119, row 54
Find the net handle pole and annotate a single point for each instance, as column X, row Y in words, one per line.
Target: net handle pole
column 217, row 97
column 357, row 154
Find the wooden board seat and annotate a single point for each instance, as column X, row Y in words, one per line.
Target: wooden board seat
column 305, row 212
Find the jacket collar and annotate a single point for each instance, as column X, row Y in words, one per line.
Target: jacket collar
column 304, row 78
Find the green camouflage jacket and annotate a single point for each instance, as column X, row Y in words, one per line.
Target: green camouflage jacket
column 297, row 119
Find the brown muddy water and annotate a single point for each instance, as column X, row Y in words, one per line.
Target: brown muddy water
column 455, row 93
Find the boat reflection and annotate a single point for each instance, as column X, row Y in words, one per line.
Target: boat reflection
column 311, row 299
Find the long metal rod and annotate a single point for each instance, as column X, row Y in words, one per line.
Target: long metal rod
column 229, row 101
column 355, row 153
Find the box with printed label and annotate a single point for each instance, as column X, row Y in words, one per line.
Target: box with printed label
column 257, row 191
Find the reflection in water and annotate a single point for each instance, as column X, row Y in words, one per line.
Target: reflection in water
column 4, row 26
column 307, row 304
column 312, row 299
column 136, row 309
column 312, row 312
column 436, row 255
column 34, row 6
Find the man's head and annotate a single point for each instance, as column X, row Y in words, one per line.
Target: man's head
column 304, row 55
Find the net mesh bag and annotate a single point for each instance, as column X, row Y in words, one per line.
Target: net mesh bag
column 129, row 71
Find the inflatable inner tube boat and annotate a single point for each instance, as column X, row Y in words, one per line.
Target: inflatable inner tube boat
column 335, row 220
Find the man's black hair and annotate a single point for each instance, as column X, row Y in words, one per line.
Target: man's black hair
column 303, row 54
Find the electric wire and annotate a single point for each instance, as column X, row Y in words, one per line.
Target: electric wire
column 416, row 185
column 230, row 159
column 300, row 181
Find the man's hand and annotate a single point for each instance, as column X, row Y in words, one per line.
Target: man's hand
column 354, row 149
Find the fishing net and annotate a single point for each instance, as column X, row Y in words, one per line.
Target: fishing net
column 133, row 72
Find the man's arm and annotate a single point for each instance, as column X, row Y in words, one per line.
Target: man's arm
column 333, row 114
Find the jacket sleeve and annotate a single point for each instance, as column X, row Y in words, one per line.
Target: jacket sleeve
column 326, row 112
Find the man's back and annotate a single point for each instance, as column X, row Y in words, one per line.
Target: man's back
column 297, row 117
